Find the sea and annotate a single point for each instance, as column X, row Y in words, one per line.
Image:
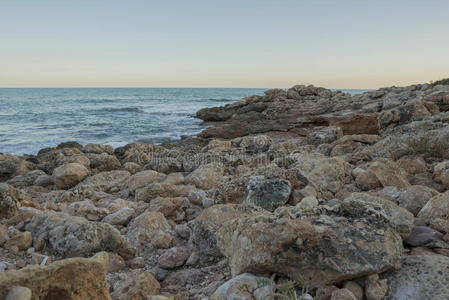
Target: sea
column 36, row 118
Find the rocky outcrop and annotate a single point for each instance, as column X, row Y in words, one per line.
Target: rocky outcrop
column 73, row 278
column 320, row 186
column 319, row 248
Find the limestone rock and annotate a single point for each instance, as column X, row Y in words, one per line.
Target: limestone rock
column 174, row 257
column 10, row 200
column 343, row 294
column 69, row 175
column 436, row 211
column 70, row 236
column 149, row 227
column 143, row 178
column 154, row 190
column 421, row 277
column 103, row 162
column 74, row 278
column 267, row 193
column 398, row 218
column 320, row 248
column 19, row 293
column 20, row 240
column 104, row 181
column 210, row 221
column 375, row 289
column 120, row 217
column 242, row 287
column 98, row 149
column 206, row 176
column 413, row 198
column 135, row 285
column 389, row 173
column 328, row 173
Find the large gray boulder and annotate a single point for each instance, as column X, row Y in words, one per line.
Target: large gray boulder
column 267, row 193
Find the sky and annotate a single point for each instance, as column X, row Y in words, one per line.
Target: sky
column 172, row 43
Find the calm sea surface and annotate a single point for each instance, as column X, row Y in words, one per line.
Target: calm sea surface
column 32, row 119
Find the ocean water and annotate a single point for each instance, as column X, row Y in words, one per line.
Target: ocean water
column 35, row 118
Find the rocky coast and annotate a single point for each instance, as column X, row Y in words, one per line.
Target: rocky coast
column 304, row 193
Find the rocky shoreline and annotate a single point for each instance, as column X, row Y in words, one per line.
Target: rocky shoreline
column 304, row 192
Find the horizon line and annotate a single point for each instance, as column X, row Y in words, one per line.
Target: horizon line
column 170, row 87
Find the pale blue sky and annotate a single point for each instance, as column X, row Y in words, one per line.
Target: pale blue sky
column 172, row 43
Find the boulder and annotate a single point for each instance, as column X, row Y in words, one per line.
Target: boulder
column 244, row 286
column 73, row 278
column 104, row 181
column 10, row 200
column 436, row 212
column 69, row 175
column 267, row 193
column 328, row 173
column 388, row 173
column 103, row 162
column 174, row 257
column 86, row 210
column 143, row 178
column 120, row 217
column 375, row 289
column 135, row 285
column 11, row 165
column 154, row 190
column 342, row 294
column 421, row 277
column 367, row 180
column 70, row 236
column 150, row 228
column 19, row 241
column 206, row 176
column 328, row 245
column 22, row 181
column 211, row 219
column 19, row 293
column 98, row 149
column 424, row 236
column 413, row 198
column 397, row 217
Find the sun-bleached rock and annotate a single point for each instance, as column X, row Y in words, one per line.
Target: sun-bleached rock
column 73, row 278
column 69, row 175
column 70, row 236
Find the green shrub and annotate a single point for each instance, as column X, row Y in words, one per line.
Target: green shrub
column 442, row 81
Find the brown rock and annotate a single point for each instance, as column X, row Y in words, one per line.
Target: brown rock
column 21, row 240
column 343, row 294
column 389, row 173
column 136, row 285
column 367, row 181
column 74, row 278
column 174, row 257
column 10, row 200
column 69, row 175
column 436, row 212
column 206, row 176
column 375, row 289
column 149, row 227
column 355, row 289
